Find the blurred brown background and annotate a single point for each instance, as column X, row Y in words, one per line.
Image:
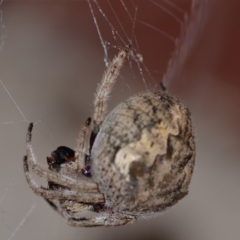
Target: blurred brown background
column 51, row 62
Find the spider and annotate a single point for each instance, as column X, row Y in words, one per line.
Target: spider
column 136, row 162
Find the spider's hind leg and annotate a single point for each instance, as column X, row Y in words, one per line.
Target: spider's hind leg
column 105, row 219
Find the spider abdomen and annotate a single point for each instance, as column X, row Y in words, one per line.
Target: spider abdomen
column 143, row 156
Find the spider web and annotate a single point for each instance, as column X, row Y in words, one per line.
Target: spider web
column 51, row 63
column 52, row 56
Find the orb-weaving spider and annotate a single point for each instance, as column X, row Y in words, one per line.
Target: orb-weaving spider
column 135, row 162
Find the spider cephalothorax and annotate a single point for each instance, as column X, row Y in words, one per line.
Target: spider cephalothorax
column 135, row 162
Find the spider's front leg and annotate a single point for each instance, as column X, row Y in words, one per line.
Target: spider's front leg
column 66, row 181
column 82, row 145
column 83, row 191
column 86, row 138
column 60, row 194
column 105, row 87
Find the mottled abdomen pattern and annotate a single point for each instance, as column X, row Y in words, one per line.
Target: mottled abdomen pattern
column 143, row 156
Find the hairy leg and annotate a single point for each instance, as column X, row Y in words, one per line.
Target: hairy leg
column 61, row 194
column 83, row 145
column 105, row 87
column 106, row 219
column 55, row 177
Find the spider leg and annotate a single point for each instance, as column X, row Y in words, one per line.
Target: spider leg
column 107, row 219
column 105, row 87
column 82, row 145
column 163, row 87
column 53, row 205
column 77, row 184
column 61, row 194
